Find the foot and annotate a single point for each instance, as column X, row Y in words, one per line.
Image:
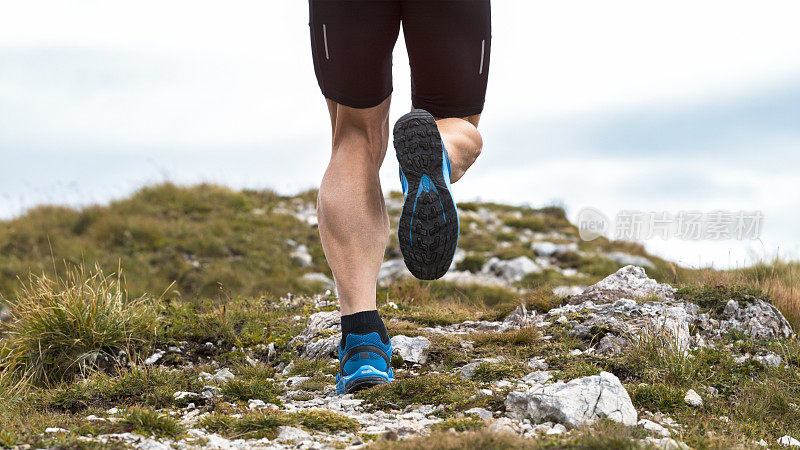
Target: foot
column 364, row 361
column 428, row 231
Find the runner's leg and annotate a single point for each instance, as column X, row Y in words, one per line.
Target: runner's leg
column 353, row 223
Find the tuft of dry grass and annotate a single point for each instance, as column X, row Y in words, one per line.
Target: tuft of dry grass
column 65, row 326
column 779, row 280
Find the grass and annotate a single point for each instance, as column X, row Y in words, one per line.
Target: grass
column 427, row 389
column 150, row 423
column 256, row 382
column 460, row 424
column 210, row 240
column 658, row 350
column 67, row 326
column 603, row 435
column 260, row 424
column 152, row 387
column 487, row 371
column 328, row 421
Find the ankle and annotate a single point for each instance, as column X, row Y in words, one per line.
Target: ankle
column 363, row 322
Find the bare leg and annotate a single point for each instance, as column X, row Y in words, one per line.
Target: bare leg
column 353, row 223
column 463, row 143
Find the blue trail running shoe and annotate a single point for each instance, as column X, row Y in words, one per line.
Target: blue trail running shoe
column 363, row 362
column 428, row 230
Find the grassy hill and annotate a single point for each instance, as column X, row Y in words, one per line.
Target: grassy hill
column 212, row 242
column 210, row 280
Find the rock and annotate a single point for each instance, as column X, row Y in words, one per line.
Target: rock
column 292, row 434
column 323, row 348
column 502, row 425
column 629, row 282
column 731, row 307
column 466, row 277
column 568, row 291
column 674, row 321
column 392, row 270
column 692, row 398
column 519, row 318
column 467, row 371
column 209, row 392
column 55, row 430
column 627, row 259
column 788, row 441
column 301, row 256
column 154, row 358
column 407, row 428
column 321, row 335
column 609, row 345
column 665, row 443
column 414, row 350
column 547, row 248
column 180, row 395
column 295, row 381
column 761, row 320
column 484, row 414
column 579, row 402
column 556, row 429
column 253, row 404
column 316, row 277
column 653, row 427
column 538, row 377
column 220, row 376
column 537, row 363
column 511, row 270
column 769, row 360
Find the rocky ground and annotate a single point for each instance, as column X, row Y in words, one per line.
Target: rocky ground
column 534, row 339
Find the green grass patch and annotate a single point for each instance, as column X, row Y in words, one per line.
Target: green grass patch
column 150, row 423
column 487, row 372
column 327, row 421
column 429, row 389
column 152, row 387
column 260, row 424
column 713, row 299
column 460, row 424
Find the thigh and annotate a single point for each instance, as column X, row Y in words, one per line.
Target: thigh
column 351, row 44
column 449, row 43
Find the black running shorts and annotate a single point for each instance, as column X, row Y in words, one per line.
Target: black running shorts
column 448, row 44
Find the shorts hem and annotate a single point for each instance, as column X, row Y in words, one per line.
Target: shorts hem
column 444, row 113
column 358, row 104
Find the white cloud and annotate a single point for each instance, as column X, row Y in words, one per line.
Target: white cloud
column 156, row 83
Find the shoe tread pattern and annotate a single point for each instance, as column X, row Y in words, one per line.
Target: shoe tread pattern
column 434, row 235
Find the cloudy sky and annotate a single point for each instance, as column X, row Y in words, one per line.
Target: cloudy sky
column 616, row 105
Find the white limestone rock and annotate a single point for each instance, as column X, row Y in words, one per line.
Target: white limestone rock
column 630, row 282
column 692, row 398
column 414, row 350
column 579, row 402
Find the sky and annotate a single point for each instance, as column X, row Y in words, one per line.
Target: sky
column 615, row 105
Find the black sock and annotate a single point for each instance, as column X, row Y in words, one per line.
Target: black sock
column 363, row 322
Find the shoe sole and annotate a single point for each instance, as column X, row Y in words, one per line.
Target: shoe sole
column 428, row 231
column 364, row 383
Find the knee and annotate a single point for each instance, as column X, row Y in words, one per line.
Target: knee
column 360, row 141
column 477, row 146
